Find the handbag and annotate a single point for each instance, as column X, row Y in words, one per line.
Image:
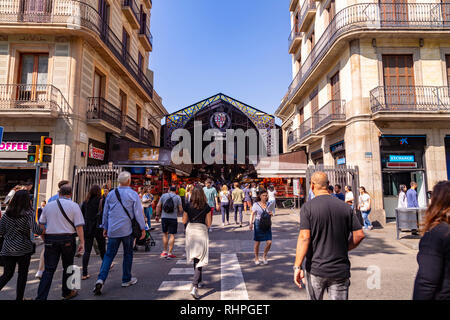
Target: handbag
column 135, row 227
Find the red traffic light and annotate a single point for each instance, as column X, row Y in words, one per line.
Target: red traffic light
column 48, row 141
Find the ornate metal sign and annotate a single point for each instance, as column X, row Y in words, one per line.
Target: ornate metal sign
column 221, row 120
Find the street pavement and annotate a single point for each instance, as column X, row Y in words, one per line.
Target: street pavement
column 383, row 268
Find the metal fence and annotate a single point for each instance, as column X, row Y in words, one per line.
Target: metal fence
column 85, row 177
column 343, row 175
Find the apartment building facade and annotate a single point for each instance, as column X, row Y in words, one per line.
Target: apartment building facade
column 371, row 84
column 76, row 71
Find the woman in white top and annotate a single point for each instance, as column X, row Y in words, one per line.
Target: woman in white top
column 349, row 197
column 225, row 199
column 365, row 207
column 402, row 200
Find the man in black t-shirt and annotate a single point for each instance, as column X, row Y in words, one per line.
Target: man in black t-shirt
column 328, row 230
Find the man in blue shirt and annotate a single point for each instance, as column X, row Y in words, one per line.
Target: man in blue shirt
column 117, row 227
column 56, row 196
column 338, row 193
column 211, row 197
column 411, row 196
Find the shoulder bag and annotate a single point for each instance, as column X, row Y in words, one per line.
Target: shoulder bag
column 135, row 227
column 65, row 215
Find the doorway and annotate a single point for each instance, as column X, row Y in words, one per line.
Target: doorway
column 391, row 183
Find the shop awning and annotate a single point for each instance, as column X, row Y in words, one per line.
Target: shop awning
column 285, row 165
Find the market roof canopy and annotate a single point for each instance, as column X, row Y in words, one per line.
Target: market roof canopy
column 286, row 165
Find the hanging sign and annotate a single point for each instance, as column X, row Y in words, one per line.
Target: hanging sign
column 401, row 158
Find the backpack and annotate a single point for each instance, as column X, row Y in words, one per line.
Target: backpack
column 169, row 206
column 265, row 222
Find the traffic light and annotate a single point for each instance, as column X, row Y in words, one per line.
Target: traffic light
column 33, row 154
column 46, row 150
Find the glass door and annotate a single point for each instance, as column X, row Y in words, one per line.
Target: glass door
column 33, row 77
column 36, row 10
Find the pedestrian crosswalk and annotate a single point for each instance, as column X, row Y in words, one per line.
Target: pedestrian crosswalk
column 232, row 281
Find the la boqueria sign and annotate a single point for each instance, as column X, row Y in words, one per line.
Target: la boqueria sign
column 14, row 146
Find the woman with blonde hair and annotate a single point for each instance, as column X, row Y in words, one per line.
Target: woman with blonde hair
column 433, row 277
column 225, row 199
column 196, row 216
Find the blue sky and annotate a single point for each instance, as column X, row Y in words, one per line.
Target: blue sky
column 237, row 47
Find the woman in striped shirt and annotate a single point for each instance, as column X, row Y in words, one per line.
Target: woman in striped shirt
column 16, row 226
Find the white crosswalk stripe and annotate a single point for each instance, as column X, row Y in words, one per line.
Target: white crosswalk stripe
column 232, row 283
column 175, row 285
column 181, row 271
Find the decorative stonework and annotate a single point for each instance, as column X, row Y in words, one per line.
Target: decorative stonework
column 32, row 37
column 61, row 39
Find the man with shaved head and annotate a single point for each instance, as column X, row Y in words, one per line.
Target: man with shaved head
column 328, row 230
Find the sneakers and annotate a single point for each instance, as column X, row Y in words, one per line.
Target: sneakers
column 194, row 293
column 257, row 262
column 71, row 295
column 171, row 256
column 265, row 261
column 163, row 255
column 129, row 283
column 200, row 285
column 370, row 227
column 98, row 287
column 223, row 225
column 39, row 274
column 210, row 229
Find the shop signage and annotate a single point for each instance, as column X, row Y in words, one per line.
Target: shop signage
column 401, row 158
column 368, row 154
column 1, row 134
column 143, row 154
column 341, row 161
column 401, row 165
column 14, row 146
column 337, row 147
column 96, row 153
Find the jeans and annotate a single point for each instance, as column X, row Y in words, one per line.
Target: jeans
column 197, row 273
column 8, row 273
column 88, row 242
column 111, row 252
column 56, row 246
column 238, row 207
column 365, row 215
column 148, row 215
column 225, row 210
column 337, row 288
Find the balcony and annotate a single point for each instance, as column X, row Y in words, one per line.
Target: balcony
column 145, row 136
column 306, row 132
column 131, row 128
column 307, row 13
column 72, row 17
column 35, row 101
column 295, row 39
column 131, row 12
column 409, row 103
column 329, row 118
column 292, row 5
column 103, row 114
column 145, row 36
column 366, row 19
column 148, row 3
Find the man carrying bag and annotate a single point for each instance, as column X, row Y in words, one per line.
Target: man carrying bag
column 123, row 221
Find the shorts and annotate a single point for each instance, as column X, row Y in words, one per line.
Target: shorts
column 169, row 225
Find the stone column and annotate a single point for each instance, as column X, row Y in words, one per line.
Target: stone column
column 435, row 157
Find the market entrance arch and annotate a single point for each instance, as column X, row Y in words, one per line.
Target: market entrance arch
column 223, row 113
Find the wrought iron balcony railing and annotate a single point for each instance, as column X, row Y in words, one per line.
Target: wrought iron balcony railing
column 334, row 110
column 294, row 35
column 410, row 98
column 131, row 127
column 101, row 109
column 144, row 31
column 306, row 128
column 28, row 97
column 131, row 11
column 308, row 9
column 371, row 16
column 75, row 15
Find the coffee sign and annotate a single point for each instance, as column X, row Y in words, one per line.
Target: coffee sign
column 14, row 146
column 96, row 153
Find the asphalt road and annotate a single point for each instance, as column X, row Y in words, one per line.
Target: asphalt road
column 382, row 268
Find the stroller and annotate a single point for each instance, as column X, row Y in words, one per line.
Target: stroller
column 147, row 242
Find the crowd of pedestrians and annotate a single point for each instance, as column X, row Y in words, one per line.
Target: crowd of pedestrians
column 107, row 218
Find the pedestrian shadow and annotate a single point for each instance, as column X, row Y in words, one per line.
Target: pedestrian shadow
column 206, row 294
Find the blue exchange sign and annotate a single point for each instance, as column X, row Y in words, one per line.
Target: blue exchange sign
column 1, row 135
column 401, row 158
